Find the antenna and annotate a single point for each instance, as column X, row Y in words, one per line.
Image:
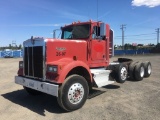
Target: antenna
column 88, row 9
column 97, row 20
column 97, row 10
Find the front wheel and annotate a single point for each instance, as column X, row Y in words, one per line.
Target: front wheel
column 73, row 93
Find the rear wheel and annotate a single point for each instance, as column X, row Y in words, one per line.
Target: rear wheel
column 139, row 71
column 121, row 73
column 131, row 69
column 73, row 93
column 147, row 68
column 32, row 91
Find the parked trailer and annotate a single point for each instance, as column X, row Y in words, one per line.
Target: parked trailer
column 70, row 67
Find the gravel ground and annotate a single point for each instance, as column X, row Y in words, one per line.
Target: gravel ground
column 129, row 101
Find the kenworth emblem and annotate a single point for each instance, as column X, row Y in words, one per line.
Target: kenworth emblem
column 60, row 48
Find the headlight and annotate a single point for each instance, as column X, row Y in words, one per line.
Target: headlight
column 20, row 64
column 52, row 69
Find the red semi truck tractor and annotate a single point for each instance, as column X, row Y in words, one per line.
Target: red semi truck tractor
column 70, row 67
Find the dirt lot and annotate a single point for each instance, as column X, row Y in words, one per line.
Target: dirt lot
column 129, row 101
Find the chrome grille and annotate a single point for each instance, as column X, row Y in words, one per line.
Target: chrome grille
column 33, row 61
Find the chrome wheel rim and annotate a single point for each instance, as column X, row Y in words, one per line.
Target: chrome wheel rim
column 142, row 71
column 149, row 69
column 124, row 73
column 75, row 93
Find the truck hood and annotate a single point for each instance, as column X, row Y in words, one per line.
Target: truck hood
column 58, row 49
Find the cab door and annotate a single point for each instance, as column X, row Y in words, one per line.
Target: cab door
column 98, row 46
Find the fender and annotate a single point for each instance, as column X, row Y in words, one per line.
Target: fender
column 68, row 67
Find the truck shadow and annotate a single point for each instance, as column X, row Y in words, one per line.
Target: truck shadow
column 95, row 91
column 41, row 103
column 36, row 104
column 111, row 86
column 131, row 80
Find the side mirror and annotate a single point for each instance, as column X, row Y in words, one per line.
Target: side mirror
column 103, row 30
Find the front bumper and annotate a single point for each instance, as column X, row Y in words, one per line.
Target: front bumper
column 44, row 87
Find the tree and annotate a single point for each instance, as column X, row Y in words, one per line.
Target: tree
column 158, row 45
column 10, row 46
column 20, row 47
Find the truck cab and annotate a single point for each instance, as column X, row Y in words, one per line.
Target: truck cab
column 69, row 67
column 99, row 39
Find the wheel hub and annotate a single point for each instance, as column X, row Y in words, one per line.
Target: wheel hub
column 149, row 69
column 75, row 93
column 123, row 73
column 142, row 71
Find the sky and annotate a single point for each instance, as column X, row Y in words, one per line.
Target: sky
column 21, row 19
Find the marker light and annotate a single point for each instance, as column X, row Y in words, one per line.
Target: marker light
column 20, row 64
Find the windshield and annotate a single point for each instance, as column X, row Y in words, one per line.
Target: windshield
column 76, row 32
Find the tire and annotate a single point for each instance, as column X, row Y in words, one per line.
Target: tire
column 32, row 91
column 139, row 71
column 121, row 73
column 73, row 93
column 147, row 68
column 131, row 69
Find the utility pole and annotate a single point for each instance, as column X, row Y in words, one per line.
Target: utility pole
column 123, row 26
column 157, row 30
column 13, row 43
